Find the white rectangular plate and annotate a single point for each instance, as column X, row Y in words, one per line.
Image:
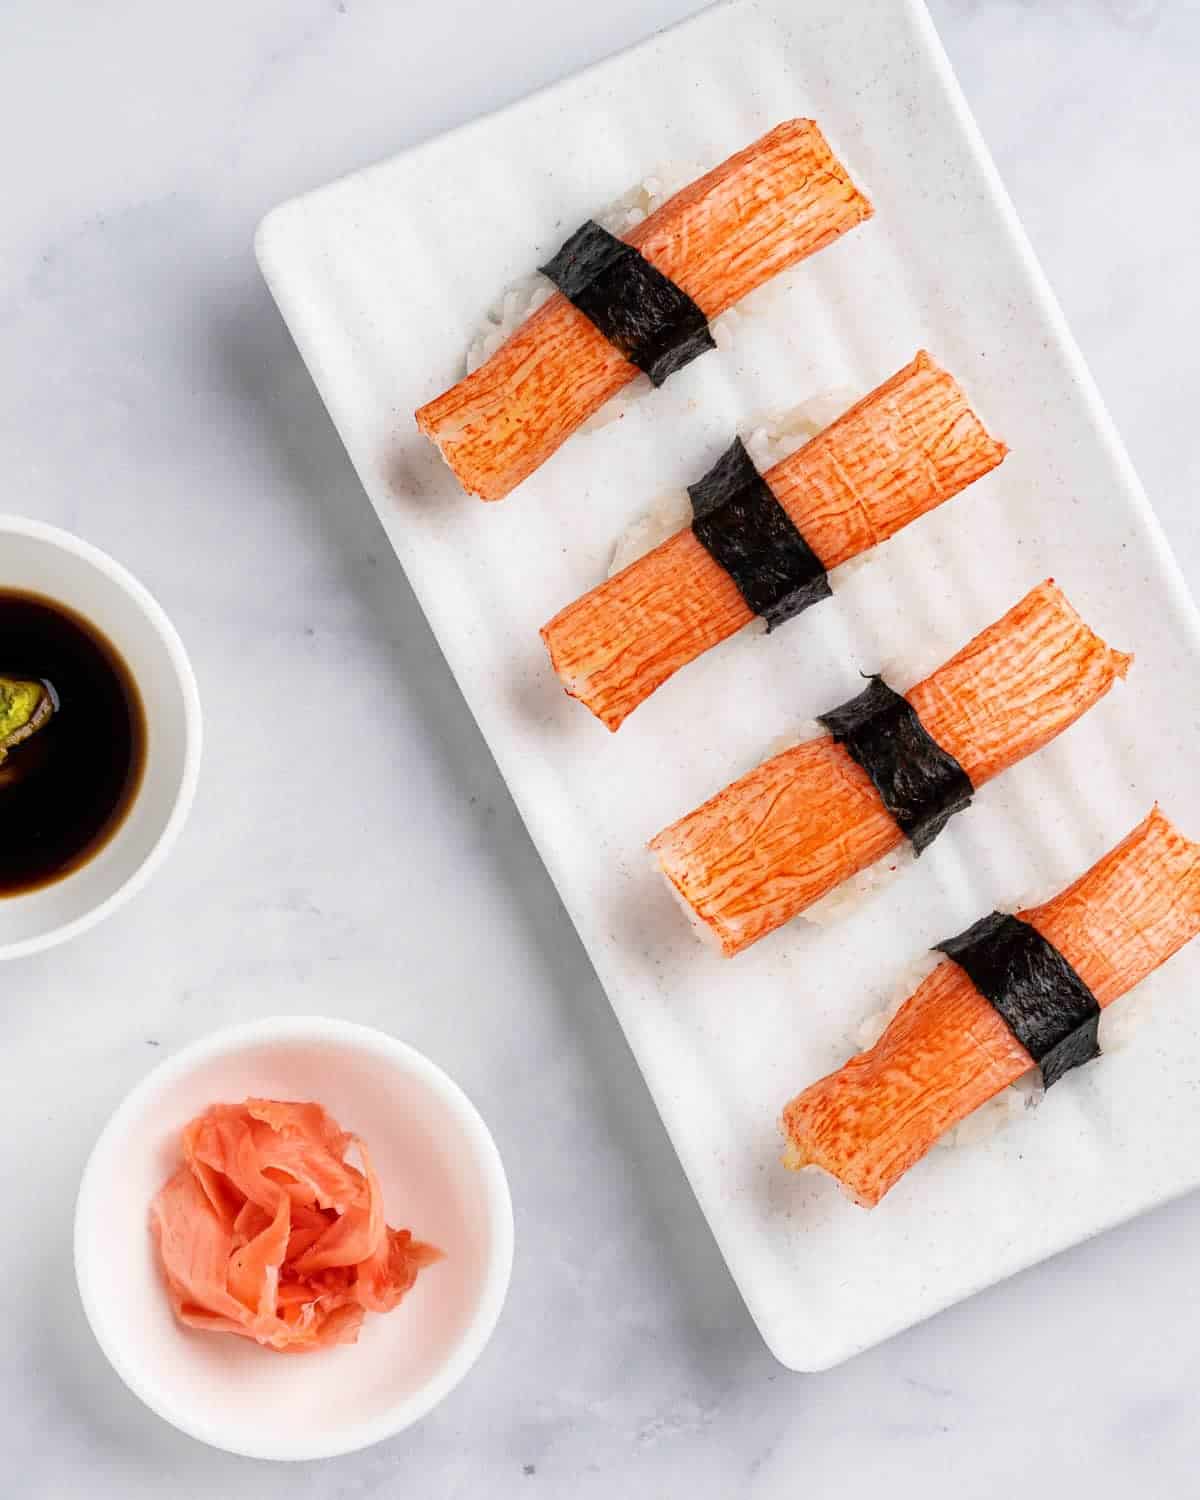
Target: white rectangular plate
column 383, row 278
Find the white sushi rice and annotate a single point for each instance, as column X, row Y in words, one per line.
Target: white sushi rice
column 997, row 1113
column 647, row 196
column 1119, row 1023
column 778, row 434
column 769, row 440
column 526, row 295
column 836, row 905
column 506, row 316
column 869, row 1030
column 1009, row 1104
column 807, row 729
column 664, row 516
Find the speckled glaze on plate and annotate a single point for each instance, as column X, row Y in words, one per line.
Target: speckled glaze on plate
column 383, row 278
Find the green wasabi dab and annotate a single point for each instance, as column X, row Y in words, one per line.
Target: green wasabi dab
column 24, row 707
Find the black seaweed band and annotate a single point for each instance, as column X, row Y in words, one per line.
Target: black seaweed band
column 921, row 784
column 745, row 529
column 653, row 322
column 1045, row 1004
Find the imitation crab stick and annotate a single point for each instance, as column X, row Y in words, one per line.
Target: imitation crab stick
column 789, row 831
column 769, row 206
column 911, row 444
column 947, row 1051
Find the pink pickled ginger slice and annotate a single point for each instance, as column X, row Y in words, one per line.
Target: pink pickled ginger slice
column 268, row 1233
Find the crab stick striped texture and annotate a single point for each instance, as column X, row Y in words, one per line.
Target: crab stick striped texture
column 913, row 443
column 786, row 834
column 947, row 1051
column 774, row 203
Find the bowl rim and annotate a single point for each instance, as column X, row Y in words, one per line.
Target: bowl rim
column 498, row 1268
column 157, row 618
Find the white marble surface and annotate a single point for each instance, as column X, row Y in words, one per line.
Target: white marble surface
column 374, row 868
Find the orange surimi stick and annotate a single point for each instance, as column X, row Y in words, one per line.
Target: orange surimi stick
column 769, row 206
column 786, row 834
column 947, row 1051
column 911, row 444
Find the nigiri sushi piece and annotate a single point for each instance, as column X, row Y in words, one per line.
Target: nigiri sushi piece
column 779, row 200
column 949, row 1049
column 784, row 835
column 911, row 444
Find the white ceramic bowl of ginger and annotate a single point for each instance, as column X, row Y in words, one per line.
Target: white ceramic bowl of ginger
column 441, row 1176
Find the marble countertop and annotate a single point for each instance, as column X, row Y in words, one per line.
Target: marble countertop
column 151, row 399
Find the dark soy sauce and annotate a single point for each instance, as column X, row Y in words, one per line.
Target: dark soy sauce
column 65, row 790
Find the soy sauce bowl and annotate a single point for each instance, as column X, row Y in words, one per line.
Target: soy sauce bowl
column 40, row 559
column 441, row 1177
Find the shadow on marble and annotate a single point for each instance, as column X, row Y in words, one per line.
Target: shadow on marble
column 89, row 1391
column 418, row 479
column 539, row 699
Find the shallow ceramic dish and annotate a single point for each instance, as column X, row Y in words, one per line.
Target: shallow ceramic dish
column 441, row 1176
column 383, row 278
column 41, row 559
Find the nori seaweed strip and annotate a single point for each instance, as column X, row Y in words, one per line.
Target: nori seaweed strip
column 1046, row 1005
column 745, row 529
column 921, row 784
column 651, row 320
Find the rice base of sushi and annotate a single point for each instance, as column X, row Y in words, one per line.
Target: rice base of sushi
column 525, row 295
column 778, row 434
column 770, row 440
column 1118, row 1025
column 853, row 894
column 663, row 517
column 528, row 293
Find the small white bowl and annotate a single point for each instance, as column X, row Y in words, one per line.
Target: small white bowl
column 40, row 559
column 441, row 1177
